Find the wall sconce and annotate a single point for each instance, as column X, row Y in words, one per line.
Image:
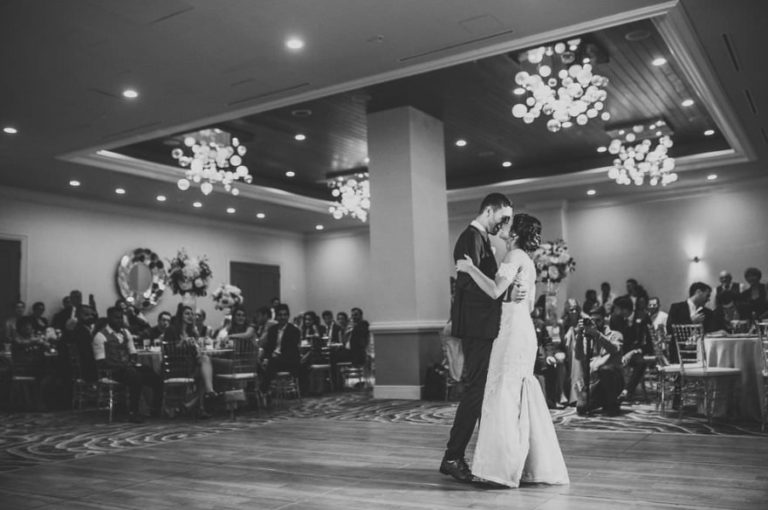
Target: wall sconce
column 696, row 259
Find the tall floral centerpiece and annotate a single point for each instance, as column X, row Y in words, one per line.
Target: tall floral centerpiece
column 227, row 296
column 553, row 264
column 189, row 276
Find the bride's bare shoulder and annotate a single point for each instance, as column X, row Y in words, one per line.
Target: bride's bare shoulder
column 515, row 254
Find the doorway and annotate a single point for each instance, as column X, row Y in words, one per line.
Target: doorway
column 10, row 275
column 259, row 283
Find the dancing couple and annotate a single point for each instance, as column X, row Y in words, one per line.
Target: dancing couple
column 491, row 313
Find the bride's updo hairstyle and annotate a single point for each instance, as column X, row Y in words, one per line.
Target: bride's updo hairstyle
column 528, row 231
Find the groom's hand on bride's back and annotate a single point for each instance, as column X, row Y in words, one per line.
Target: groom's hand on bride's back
column 518, row 293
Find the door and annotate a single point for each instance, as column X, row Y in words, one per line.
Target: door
column 10, row 276
column 259, row 283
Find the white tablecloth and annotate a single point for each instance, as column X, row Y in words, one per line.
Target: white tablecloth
column 745, row 353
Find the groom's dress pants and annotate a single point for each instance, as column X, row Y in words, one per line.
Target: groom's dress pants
column 477, row 354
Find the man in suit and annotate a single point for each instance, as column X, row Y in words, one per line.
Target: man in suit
column 281, row 348
column 691, row 311
column 475, row 320
column 726, row 285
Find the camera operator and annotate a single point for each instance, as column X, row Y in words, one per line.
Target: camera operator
column 598, row 351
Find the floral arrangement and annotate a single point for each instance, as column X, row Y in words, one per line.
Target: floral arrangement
column 553, row 262
column 227, row 296
column 189, row 275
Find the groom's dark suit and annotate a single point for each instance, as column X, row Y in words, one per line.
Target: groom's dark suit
column 475, row 319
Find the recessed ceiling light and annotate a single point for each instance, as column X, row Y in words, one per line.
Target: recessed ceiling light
column 709, row 132
column 711, row 177
column 261, row 215
column 10, row 130
column 301, row 112
column 591, row 192
column 160, row 198
column 231, row 210
column 120, row 191
column 506, row 164
column 461, row 142
column 300, row 137
column 197, row 204
column 74, row 183
column 519, row 91
column 290, row 173
column 319, row 227
column 659, row 61
column 294, row 43
column 687, row 102
column 130, row 94
column 602, row 148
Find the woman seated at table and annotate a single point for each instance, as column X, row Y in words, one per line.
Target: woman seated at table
column 28, row 355
column 237, row 330
column 184, row 332
column 756, row 296
column 312, row 337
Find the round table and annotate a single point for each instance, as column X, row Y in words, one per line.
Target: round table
column 746, row 353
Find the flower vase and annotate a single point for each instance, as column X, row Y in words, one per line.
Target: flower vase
column 551, row 304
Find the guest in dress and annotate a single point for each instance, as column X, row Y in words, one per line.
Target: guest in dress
column 755, row 295
column 261, row 323
column 204, row 330
column 606, row 297
column 39, row 322
column 185, row 333
column 590, row 299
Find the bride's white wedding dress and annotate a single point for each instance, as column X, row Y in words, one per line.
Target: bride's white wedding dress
column 517, row 440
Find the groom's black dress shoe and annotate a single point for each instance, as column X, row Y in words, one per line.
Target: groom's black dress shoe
column 457, row 468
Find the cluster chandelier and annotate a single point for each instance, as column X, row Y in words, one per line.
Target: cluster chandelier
column 212, row 156
column 637, row 158
column 353, row 196
column 563, row 86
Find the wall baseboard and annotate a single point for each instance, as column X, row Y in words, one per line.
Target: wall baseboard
column 397, row 392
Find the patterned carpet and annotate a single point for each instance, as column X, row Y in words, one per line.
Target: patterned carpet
column 28, row 439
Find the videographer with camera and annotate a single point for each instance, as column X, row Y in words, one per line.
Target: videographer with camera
column 598, row 352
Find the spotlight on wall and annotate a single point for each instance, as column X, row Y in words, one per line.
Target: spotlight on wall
column 696, row 259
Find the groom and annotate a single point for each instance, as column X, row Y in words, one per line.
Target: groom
column 475, row 318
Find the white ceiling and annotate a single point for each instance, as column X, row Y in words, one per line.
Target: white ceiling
column 64, row 65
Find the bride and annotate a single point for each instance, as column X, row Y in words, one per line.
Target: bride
column 517, row 440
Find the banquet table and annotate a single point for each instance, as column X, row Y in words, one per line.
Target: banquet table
column 746, row 353
column 153, row 357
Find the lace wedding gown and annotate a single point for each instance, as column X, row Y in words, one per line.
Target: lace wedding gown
column 517, row 440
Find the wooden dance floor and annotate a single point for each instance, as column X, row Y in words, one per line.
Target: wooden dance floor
column 317, row 463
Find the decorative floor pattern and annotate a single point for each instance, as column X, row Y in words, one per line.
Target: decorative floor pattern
column 32, row 438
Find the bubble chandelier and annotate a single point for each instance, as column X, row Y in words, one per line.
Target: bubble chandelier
column 353, row 196
column 638, row 159
column 563, row 86
column 212, row 156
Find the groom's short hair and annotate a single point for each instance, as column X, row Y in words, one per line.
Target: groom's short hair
column 495, row 201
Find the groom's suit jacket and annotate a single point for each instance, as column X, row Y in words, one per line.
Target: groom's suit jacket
column 474, row 314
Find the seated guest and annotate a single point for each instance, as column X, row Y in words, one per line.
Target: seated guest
column 27, row 352
column 329, row 325
column 311, row 330
column 337, row 335
column 156, row 333
column 657, row 316
column 728, row 310
column 9, row 329
column 281, row 349
column 590, row 299
column 39, row 322
column 239, row 329
column 691, row 311
column 620, row 315
column 184, row 332
column 204, row 330
column 550, row 357
column 80, row 341
column 755, row 295
column 637, row 344
column 598, row 351
column 133, row 320
column 113, row 349
column 261, row 323
column 726, row 284
column 606, row 297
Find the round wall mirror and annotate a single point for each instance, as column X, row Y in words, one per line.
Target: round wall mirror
column 141, row 278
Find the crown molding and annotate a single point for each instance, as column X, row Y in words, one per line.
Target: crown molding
column 84, row 204
column 138, row 167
